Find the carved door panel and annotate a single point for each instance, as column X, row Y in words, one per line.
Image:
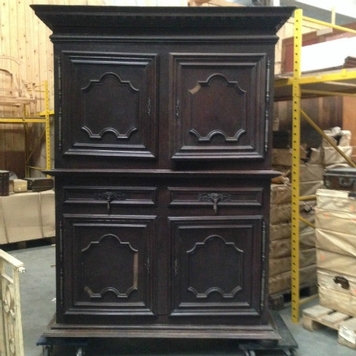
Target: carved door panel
column 219, row 106
column 107, row 104
column 110, row 270
column 211, row 267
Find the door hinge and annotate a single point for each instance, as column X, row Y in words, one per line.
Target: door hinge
column 263, row 263
column 149, row 107
column 148, row 265
column 268, row 81
column 178, row 109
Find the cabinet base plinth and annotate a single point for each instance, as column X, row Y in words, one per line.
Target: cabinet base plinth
column 244, row 332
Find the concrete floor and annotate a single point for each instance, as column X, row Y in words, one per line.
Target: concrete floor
column 37, row 287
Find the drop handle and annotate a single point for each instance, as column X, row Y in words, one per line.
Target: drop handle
column 215, row 198
column 109, row 197
column 108, row 204
column 342, row 281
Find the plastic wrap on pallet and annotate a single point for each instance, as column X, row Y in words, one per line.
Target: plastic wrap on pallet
column 282, row 213
column 337, row 221
column 331, row 156
column 338, row 242
column 282, row 193
column 340, row 302
column 338, row 136
column 282, row 282
column 283, row 264
column 307, row 172
column 338, row 200
column 336, row 262
column 284, row 156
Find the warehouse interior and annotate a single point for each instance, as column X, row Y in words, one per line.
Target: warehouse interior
column 312, row 206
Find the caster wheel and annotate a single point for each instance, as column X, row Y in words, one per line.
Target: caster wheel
column 47, row 350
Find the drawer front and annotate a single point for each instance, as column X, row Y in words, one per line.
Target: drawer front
column 106, row 198
column 215, row 197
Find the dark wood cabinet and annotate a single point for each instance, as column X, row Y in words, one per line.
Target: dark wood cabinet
column 163, row 172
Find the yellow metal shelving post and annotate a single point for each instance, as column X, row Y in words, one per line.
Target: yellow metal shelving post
column 296, row 97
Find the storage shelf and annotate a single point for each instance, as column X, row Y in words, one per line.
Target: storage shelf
column 42, row 117
column 297, row 86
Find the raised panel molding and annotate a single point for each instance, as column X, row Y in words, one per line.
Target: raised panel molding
column 116, row 91
column 113, row 263
column 210, row 266
column 127, row 258
column 229, row 95
column 116, row 115
column 227, row 259
column 219, row 106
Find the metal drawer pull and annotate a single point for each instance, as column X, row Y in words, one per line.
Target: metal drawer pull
column 215, row 198
column 109, row 197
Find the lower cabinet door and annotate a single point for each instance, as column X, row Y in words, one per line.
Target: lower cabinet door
column 106, row 273
column 216, row 266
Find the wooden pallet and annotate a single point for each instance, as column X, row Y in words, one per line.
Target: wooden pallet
column 280, row 300
column 318, row 316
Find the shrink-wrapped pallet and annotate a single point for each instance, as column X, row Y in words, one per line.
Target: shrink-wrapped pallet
column 284, row 156
column 282, row 213
column 336, row 262
column 282, row 282
column 337, row 221
column 282, row 193
column 337, row 291
column 338, row 242
column 278, row 265
column 307, row 172
column 336, row 200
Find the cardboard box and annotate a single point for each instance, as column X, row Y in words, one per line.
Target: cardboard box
column 336, row 262
column 22, row 217
column 47, row 208
column 282, row 282
column 282, row 213
column 338, row 137
column 282, row 193
column 19, row 185
column 337, row 200
column 331, row 156
column 337, row 291
column 337, row 221
column 3, row 236
column 283, row 264
column 338, row 242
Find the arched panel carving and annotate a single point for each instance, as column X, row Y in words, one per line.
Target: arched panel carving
column 99, row 279
column 226, row 259
column 118, row 106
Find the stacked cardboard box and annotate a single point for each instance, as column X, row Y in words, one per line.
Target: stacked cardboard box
column 36, row 220
column 340, row 138
column 336, row 250
column 311, row 179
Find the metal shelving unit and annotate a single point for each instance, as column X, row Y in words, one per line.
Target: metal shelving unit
column 27, row 118
column 295, row 87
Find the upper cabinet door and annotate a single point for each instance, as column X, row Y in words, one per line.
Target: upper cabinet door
column 219, row 107
column 107, row 104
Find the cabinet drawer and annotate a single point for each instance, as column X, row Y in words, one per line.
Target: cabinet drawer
column 214, row 197
column 113, row 195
